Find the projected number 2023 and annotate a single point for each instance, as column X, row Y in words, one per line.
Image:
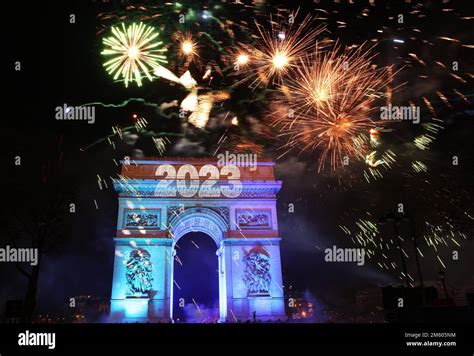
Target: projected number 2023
column 203, row 182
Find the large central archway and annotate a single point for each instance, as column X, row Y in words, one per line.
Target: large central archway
column 207, row 221
column 195, row 295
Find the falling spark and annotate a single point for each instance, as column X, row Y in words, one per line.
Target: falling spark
column 419, row 166
column 457, row 77
column 413, row 55
column 99, row 180
column 197, row 306
column 439, row 259
column 371, row 161
column 423, row 141
column 448, row 39
column 232, row 312
column 462, row 96
column 444, row 99
column 160, row 143
column 429, row 106
column 207, row 74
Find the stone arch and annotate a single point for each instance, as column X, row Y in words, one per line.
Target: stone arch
column 235, row 225
column 198, row 219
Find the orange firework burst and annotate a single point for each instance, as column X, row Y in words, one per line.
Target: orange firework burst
column 329, row 102
column 277, row 51
column 188, row 47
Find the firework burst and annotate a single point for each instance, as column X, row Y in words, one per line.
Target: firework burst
column 276, row 51
column 188, row 46
column 135, row 52
column 329, row 103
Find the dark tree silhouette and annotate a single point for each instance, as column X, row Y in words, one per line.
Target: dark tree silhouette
column 37, row 218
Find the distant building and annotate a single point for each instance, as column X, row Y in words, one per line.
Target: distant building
column 368, row 299
column 82, row 309
column 369, row 305
column 13, row 310
column 458, row 296
column 87, row 309
column 436, row 303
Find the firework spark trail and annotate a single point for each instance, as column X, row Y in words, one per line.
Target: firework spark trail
column 462, row 96
column 377, row 246
column 197, row 306
column 419, row 166
column 127, row 129
column 178, row 260
column 233, row 315
column 160, row 144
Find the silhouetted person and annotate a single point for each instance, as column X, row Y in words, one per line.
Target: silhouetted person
column 254, row 314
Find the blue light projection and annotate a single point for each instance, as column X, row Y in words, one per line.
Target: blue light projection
column 152, row 221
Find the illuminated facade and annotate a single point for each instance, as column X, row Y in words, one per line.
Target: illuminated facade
column 160, row 201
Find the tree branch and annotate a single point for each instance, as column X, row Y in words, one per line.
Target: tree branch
column 23, row 272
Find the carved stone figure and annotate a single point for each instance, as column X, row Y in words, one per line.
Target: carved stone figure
column 253, row 219
column 139, row 272
column 141, row 219
column 256, row 276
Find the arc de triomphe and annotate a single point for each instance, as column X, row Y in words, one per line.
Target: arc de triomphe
column 161, row 200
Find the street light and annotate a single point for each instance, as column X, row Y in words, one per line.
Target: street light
column 396, row 219
column 389, row 217
column 441, row 276
column 417, row 259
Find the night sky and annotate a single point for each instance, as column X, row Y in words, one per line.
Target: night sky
column 61, row 63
